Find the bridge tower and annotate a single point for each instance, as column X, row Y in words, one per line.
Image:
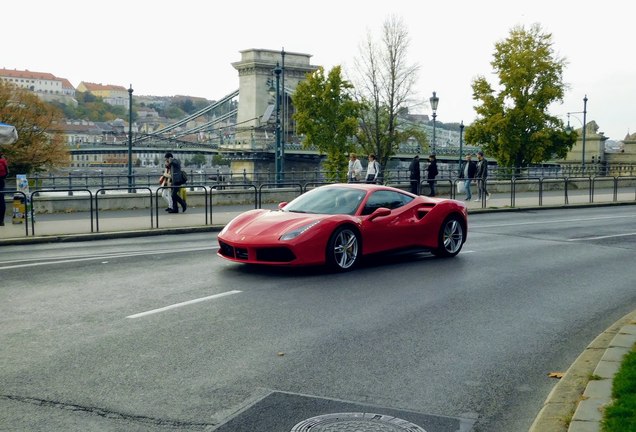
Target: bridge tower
column 255, row 122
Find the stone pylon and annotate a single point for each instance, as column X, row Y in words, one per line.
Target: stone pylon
column 255, row 122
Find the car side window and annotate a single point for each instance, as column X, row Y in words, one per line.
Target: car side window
column 387, row 199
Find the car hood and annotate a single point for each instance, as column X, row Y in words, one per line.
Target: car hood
column 273, row 223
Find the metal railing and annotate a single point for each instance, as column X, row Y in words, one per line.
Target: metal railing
column 586, row 189
column 447, row 171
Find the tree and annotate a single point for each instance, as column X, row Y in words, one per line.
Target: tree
column 327, row 114
column 40, row 145
column 198, row 160
column 384, row 86
column 514, row 125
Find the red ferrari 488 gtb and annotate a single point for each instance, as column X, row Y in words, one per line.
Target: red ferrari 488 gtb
column 338, row 224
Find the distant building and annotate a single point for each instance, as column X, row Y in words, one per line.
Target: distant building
column 111, row 94
column 44, row 84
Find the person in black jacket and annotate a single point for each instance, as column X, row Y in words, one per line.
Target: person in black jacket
column 481, row 175
column 431, row 173
column 4, row 172
column 414, row 175
column 467, row 172
column 177, row 176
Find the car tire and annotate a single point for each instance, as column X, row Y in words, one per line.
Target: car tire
column 451, row 237
column 343, row 249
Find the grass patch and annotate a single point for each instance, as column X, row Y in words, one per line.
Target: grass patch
column 620, row 416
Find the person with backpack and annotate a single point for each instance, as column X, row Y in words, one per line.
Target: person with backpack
column 178, row 178
column 4, row 172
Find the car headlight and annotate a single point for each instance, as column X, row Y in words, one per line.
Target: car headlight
column 298, row 231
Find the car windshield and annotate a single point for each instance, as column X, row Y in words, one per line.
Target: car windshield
column 327, row 200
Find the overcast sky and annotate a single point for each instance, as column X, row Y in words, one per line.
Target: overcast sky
column 186, row 47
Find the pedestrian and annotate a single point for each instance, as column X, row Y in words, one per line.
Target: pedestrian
column 431, row 173
column 373, row 169
column 165, row 181
column 4, row 172
column 354, row 172
column 467, row 172
column 414, row 175
column 177, row 179
column 481, row 175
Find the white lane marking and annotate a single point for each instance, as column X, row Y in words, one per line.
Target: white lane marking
column 185, row 303
column 550, row 221
column 602, row 237
column 100, row 257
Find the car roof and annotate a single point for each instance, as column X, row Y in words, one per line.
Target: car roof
column 365, row 187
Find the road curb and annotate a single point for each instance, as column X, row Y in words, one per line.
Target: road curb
column 106, row 235
column 561, row 404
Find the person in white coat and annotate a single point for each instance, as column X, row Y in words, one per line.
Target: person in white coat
column 354, row 173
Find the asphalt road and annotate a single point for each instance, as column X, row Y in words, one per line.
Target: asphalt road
column 158, row 334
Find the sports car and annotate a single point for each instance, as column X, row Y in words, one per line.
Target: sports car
column 336, row 225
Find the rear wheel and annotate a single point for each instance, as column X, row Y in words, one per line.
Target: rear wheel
column 451, row 237
column 343, row 249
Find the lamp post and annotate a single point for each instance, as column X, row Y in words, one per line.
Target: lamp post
column 584, row 129
column 130, row 176
column 284, row 108
column 278, row 156
column 461, row 144
column 568, row 129
column 434, row 100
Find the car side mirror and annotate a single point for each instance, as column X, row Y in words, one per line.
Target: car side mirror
column 281, row 205
column 379, row 212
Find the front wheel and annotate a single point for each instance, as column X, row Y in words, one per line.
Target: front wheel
column 451, row 237
column 343, row 249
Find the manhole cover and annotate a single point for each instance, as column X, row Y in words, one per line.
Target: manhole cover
column 356, row 422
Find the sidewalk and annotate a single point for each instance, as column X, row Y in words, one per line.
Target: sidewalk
column 109, row 224
column 48, row 227
column 576, row 403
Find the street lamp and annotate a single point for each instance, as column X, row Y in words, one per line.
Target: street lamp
column 461, row 144
column 434, row 100
column 278, row 154
column 130, row 176
column 568, row 129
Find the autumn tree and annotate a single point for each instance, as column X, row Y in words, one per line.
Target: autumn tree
column 327, row 114
column 513, row 123
column 40, row 145
column 384, row 86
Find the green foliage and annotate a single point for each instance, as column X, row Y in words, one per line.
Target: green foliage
column 198, row 160
column 173, row 111
column 327, row 115
column 620, row 416
column 513, row 124
column 219, row 159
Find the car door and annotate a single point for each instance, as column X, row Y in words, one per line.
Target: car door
column 386, row 232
